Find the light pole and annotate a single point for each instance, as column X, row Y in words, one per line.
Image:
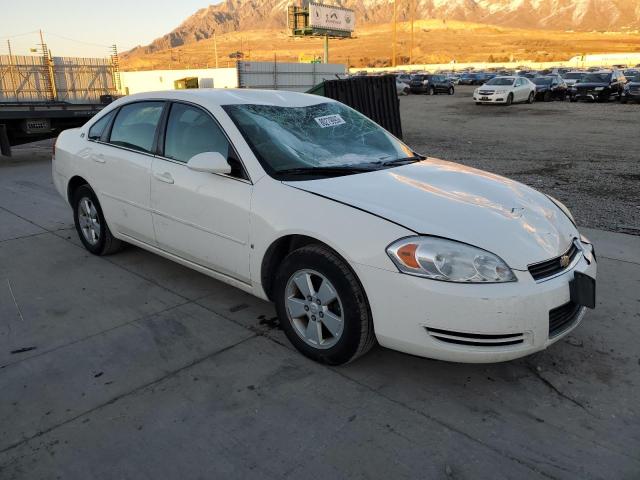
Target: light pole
column 395, row 15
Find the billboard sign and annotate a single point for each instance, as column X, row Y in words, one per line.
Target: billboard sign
column 327, row 17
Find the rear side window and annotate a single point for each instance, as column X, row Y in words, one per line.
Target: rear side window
column 97, row 129
column 190, row 131
column 135, row 125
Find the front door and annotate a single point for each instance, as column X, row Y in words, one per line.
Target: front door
column 201, row 217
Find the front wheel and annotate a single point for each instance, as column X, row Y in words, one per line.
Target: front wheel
column 532, row 98
column 322, row 307
column 509, row 99
column 91, row 225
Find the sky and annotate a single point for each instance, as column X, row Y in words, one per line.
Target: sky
column 89, row 28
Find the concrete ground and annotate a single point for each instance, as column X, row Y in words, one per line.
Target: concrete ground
column 131, row 366
column 584, row 154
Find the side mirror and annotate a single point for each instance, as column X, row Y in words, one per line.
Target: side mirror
column 210, row 162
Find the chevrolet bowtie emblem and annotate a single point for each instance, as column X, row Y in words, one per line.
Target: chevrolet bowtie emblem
column 564, row 261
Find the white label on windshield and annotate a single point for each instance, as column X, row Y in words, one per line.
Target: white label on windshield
column 329, row 121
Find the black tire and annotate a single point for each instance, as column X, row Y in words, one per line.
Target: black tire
column 547, row 97
column 623, row 100
column 573, row 100
column 106, row 243
column 509, row 99
column 357, row 336
column 451, row 91
column 532, row 98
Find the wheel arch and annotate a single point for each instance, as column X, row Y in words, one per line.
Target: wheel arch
column 74, row 183
column 281, row 247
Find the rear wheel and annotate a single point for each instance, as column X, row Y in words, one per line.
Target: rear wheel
column 451, row 91
column 91, row 225
column 532, row 98
column 322, row 307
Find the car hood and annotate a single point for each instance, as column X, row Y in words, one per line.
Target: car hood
column 450, row 200
column 591, row 84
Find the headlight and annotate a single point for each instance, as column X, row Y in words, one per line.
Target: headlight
column 447, row 260
column 597, row 89
column 564, row 209
column 501, row 91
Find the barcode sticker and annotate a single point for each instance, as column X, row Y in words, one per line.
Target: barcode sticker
column 329, row 121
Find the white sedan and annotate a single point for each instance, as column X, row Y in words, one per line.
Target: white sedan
column 303, row 201
column 505, row 90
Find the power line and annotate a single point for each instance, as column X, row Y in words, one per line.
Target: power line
column 19, row 34
column 77, row 41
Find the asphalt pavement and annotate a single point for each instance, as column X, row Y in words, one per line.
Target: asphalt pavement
column 131, row 366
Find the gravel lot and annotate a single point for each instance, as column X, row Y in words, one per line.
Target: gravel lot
column 586, row 155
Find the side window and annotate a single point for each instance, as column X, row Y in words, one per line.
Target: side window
column 190, row 131
column 97, row 129
column 135, row 125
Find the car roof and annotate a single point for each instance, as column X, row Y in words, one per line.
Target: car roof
column 233, row 96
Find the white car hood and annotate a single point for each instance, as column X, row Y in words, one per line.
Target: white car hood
column 435, row 197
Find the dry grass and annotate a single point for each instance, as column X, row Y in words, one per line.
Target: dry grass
column 435, row 41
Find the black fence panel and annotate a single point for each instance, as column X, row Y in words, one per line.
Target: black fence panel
column 375, row 97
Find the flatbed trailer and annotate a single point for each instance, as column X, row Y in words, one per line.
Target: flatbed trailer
column 42, row 95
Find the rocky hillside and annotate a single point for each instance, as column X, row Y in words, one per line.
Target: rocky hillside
column 585, row 15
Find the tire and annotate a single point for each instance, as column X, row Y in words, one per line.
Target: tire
column 509, row 99
column 623, row 101
column 87, row 215
column 433, row 91
column 547, row 97
column 319, row 265
column 532, row 98
column 451, row 91
column 573, row 100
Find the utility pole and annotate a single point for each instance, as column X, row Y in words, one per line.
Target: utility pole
column 326, row 49
column 395, row 17
column 14, row 85
column 48, row 62
column 115, row 62
column 215, row 47
column 412, row 6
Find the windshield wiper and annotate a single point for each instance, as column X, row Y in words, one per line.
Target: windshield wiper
column 323, row 170
column 403, row 161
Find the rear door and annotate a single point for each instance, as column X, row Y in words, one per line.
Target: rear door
column 199, row 216
column 121, row 167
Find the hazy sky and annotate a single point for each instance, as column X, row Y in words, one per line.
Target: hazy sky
column 97, row 24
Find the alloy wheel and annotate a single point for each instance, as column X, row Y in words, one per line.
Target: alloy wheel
column 89, row 220
column 314, row 308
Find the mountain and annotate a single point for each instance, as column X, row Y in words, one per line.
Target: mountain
column 583, row 15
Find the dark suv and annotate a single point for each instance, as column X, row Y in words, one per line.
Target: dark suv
column 599, row 86
column 431, row 84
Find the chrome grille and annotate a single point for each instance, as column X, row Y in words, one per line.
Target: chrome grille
column 549, row 268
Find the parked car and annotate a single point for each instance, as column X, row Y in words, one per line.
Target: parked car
column 419, row 83
column 550, row 87
column 599, row 86
column 466, row 79
column 303, row 201
column 439, row 84
column 402, row 88
column 404, row 78
column 571, row 78
column 506, row 90
column 631, row 92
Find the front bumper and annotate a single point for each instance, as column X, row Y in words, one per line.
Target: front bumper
column 440, row 319
column 493, row 98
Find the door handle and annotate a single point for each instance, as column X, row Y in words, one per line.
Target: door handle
column 164, row 177
column 98, row 157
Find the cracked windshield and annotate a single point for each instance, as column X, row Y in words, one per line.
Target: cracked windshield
column 323, row 136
